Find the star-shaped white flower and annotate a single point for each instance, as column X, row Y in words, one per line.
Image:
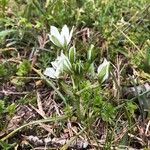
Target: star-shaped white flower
column 60, row 39
column 60, row 65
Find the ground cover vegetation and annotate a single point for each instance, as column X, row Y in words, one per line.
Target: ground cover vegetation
column 74, row 74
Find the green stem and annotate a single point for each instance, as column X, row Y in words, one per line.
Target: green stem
column 78, row 110
column 51, row 84
column 86, row 88
column 73, row 83
column 77, row 102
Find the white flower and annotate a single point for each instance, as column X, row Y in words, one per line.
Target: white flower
column 60, row 65
column 61, row 39
column 103, row 70
column 50, row 72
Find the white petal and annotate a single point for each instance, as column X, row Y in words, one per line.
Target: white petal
column 70, row 36
column 50, row 72
column 55, row 64
column 54, row 32
column 66, row 63
column 65, row 33
column 62, row 55
column 55, row 41
column 60, row 65
column 105, row 63
column 59, row 71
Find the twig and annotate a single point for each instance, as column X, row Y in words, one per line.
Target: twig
column 7, row 49
column 39, row 104
column 137, row 138
column 34, row 78
column 66, row 146
column 13, row 93
column 147, row 127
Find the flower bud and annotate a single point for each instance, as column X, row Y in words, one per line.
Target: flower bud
column 103, row 71
column 72, row 54
column 90, row 54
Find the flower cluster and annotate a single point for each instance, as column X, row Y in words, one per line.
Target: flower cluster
column 68, row 64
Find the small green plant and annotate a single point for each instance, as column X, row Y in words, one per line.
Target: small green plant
column 3, row 4
column 92, row 100
column 69, row 64
column 2, row 106
column 6, row 146
column 6, row 109
column 76, row 68
column 23, row 68
column 3, row 70
column 146, row 65
column 7, row 70
column 131, row 107
column 10, row 109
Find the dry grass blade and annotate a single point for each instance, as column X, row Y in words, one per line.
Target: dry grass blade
column 67, row 145
column 13, row 93
column 8, row 49
column 33, row 123
column 39, row 103
column 129, row 40
column 137, row 138
column 147, row 128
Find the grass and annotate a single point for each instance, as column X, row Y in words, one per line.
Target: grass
column 79, row 109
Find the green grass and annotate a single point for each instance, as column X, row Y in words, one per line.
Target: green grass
column 95, row 111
